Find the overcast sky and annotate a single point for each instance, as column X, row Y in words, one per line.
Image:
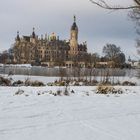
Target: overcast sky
column 96, row 26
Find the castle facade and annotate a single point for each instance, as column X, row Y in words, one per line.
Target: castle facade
column 50, row 50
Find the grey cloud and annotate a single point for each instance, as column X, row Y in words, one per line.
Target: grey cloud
column 95, row 24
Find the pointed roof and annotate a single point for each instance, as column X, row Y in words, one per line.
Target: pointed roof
column 18, row 38
column 33, row 33
column 74, row 26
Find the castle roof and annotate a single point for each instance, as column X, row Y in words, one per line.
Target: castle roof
column 74, row 26
column 26, row 38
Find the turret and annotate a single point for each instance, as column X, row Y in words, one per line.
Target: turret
column 33, row 33
column 17, row 38
column 33, row 36
column 74, row 38
column 74, row 30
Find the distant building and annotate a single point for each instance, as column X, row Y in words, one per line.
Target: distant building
column 133, row 63
column 50, row 50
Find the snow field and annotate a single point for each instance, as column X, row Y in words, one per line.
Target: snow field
column 74, row 117
column 83, row 115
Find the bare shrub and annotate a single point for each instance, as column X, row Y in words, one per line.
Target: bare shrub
column 37, row 83
column 94, row 82
column 27, row 82
column 50, row 84
column 59, row 92
column 19, row 92
column 66, row 92
column 128, row 83
column 5, row 81
column 18, row 83
column 72, row 91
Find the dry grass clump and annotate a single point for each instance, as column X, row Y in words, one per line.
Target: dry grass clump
column 73, row 82
column 108, row 89
column 36, row 83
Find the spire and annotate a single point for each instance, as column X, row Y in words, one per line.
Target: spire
column 33, row 33
column 18, row 38
column 74, row 26
column 74, row 17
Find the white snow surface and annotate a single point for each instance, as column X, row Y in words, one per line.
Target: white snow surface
column 74, row 117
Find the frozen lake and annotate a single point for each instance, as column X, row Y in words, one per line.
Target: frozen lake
column 45, row 71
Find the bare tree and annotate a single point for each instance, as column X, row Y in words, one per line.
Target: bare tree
column 134, row 13
column 111, row 51
column 4, row 57
column 114, row 54
column 135, row 16
column 105, row 5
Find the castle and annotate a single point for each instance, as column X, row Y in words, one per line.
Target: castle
column 50, row 50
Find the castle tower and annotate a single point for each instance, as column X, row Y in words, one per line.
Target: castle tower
column 74, row 38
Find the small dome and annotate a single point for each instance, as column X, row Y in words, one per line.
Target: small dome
column 53, row 36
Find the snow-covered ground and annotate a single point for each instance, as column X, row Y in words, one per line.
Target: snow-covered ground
column 83, row 115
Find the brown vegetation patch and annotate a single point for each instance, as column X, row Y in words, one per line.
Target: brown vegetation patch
column 5, row 81
column 108, row 89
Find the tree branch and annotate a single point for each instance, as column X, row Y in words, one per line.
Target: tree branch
column 103, row 4
column 137, row 2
